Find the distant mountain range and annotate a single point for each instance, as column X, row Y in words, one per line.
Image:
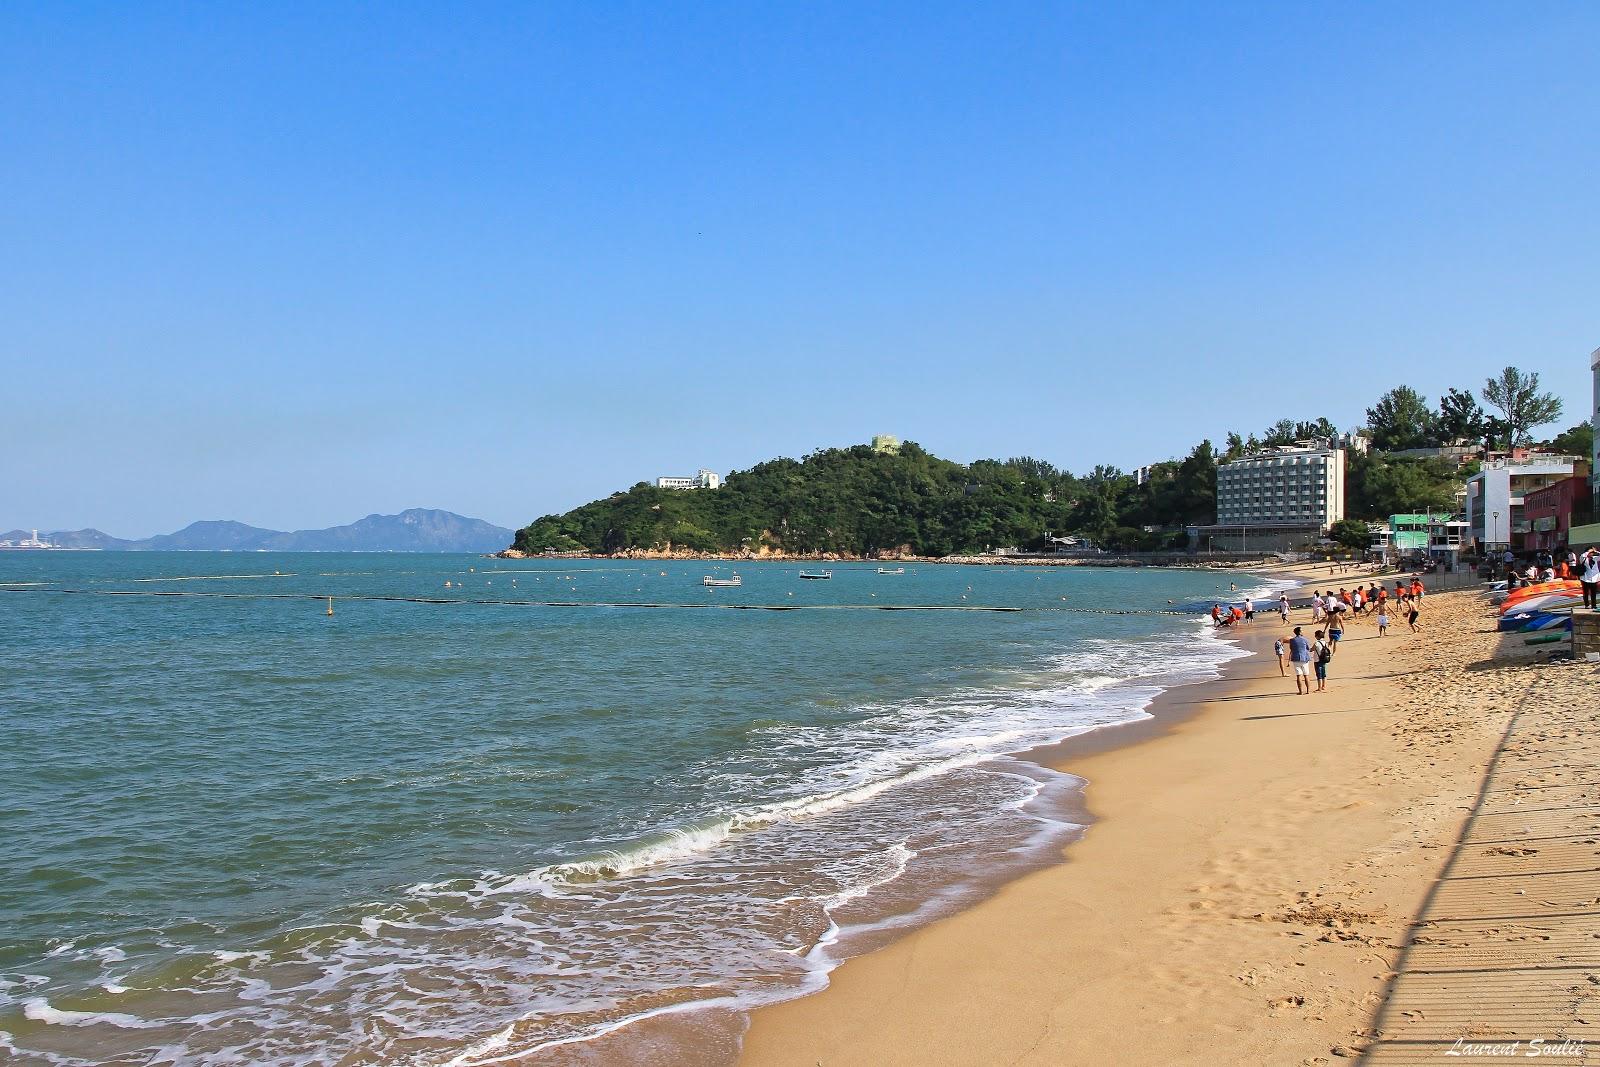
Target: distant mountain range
column 415, row 530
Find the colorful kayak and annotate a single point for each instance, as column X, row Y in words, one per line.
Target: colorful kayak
column 1550, row 602
column 1565, row 586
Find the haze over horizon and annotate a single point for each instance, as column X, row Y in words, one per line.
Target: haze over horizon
column 297, row 268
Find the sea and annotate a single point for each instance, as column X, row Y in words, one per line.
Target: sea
column 521, row 811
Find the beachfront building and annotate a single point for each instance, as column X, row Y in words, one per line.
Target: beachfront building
column 1549, row 513
column 1589, row 533
column 1496, row 495
column 1594, row 421
column 1302, row 486
column 1447, row 537
column 703, row 479
column 1281, row 499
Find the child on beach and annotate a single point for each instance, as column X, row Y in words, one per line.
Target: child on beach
column 1413, row 609
column 1324, row 653
column 1277, row 650
column 1335, row 631
column 1283, row 606
column 1383, row 620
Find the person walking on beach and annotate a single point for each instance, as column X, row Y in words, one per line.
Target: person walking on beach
column 1335, row 632
column 1283, row 606
column 1324, row 654
column 1249, row 610
column 1300, row 658
column 1278, row 650
column 1589, row 576
column 1413, row 609
column 1416, row 589
column 1383, row 620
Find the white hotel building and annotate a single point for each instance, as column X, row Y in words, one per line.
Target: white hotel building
column 1281, row 495
column 703, row 479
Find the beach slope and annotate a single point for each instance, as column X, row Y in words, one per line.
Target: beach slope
column 1243, row 895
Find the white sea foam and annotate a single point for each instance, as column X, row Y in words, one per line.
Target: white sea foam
column 39, row 1010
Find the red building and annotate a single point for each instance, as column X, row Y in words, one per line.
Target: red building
column 1548, row 512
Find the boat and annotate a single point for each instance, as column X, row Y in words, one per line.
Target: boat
column 722, row 583
column 820, row 576
column 891, row 570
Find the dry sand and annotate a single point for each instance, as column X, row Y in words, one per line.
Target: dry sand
column 1248, row 890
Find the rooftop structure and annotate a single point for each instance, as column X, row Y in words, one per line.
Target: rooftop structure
column 887, row 443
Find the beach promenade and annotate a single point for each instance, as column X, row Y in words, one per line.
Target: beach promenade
column 1278, row 879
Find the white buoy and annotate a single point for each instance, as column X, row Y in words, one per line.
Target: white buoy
column 330, row 605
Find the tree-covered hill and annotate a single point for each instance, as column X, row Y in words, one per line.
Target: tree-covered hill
column 855, row 501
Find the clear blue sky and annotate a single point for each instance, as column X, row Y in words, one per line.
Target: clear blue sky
column 296, row 265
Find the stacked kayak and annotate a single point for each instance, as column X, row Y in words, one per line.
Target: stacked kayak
column 1527, row 621
column 1543, row 596
column 1541, row 609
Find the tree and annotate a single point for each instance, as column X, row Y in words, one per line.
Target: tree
column 1522, row 407
column 1320, row 430
column 1281, row 432
column 1401, row 419
column 1575, row 440
column 1460, row 418
column 1351, row 533
column 1391, row 485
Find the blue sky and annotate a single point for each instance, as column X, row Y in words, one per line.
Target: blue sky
column 298, row 264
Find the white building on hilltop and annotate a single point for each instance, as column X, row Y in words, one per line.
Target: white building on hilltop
column 703, row 479
column 1291, row 486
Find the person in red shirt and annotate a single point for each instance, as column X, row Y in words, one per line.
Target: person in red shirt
column 1416, row 588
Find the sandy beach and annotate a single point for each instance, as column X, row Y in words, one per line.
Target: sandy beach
column 1254, row 883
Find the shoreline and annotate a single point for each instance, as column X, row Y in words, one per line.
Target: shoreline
column 713, row 1030
column 1138, row 903
column 1181, row 561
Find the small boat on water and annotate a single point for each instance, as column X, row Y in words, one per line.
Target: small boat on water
column 891, row 570
column 722, row 583
column 820, row 576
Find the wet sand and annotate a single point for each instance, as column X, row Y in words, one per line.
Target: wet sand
column 1246, row 891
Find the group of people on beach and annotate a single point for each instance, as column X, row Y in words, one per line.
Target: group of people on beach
column 1310, row 657
column 1548, row 566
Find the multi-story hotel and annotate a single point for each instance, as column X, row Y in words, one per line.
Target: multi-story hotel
column 1295, row 486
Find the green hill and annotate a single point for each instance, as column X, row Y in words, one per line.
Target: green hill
column 855, row 501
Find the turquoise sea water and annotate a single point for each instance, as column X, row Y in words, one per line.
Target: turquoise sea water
column 236, row 830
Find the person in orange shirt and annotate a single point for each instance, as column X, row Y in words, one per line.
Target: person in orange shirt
column 1563, row 571
column 1416, row 588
